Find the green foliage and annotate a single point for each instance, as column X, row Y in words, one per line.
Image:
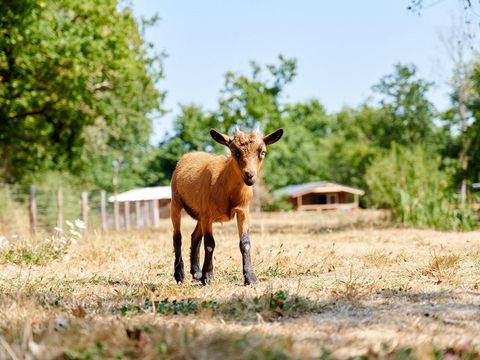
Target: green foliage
column 245, row 101
column 167, row 307
column 78, row 95
column 278, row 204
column 412, row 184
column 408, row 114
column 191, row 133
column 39, row 254
column 77, row 84
column 471, row 136
column 269, row 305
column 300, row 149
column 339, row 147
column 248, row 101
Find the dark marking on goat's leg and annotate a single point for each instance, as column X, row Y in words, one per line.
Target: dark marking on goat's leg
column 195, row 253
column 178, row 266
column 207, row 271
column 248, row 274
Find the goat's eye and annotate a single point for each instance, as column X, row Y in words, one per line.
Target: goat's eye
column 236, row 153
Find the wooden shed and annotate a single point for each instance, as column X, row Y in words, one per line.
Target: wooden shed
column 321, row 195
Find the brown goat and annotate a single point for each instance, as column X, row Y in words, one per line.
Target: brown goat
column 215, row 188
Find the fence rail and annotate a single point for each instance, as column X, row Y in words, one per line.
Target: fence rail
column 43, row 209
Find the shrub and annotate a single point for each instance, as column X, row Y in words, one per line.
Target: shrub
column 412, row 184
column 278, row 204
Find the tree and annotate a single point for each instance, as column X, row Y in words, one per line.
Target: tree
column 418, row 5
column 471, row 136
column 353, row 143
column 191, row 133
column 301, row 150
column 458, row 49
column 408, row 112
column 250, row 101
column 246, row 101
column 77, row 86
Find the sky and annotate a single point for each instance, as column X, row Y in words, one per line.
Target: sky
column 342, row 47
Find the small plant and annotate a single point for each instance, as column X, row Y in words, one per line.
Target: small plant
column 268, row 306
column 42, row 252
column 441, row 267
column 167, row 307
column 61, row 240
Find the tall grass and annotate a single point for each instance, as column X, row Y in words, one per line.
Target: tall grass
column 416, row 189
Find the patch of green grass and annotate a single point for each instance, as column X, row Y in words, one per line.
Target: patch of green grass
column 167, row 307
column 31, row 255
column 97, row 353
column 269, row 306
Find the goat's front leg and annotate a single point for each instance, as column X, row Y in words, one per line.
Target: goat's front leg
column 177, row 242
column 243, row 224
column 195, row 252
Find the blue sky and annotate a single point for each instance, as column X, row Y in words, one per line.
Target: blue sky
column 342, row 47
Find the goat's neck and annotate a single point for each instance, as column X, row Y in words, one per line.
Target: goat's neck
column 233, row 178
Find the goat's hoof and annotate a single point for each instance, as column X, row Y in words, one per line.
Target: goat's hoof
column 250, row 279
column 179, row 278
column 179, row 274
column 197, row 275
column 207, row 278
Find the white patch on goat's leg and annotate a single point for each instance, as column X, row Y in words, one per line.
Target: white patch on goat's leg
column 209, row 248
column 247, row 247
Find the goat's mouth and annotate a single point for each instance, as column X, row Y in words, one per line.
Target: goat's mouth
column 249, row 182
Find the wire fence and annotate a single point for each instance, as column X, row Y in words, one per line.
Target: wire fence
column 30, row 210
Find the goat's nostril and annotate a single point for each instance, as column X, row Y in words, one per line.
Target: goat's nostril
column 249, row 175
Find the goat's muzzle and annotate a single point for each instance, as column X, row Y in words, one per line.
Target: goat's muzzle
column 249, row 178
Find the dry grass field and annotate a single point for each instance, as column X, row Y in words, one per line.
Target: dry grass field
column 331, row 285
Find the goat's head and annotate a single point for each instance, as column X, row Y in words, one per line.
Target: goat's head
column 248, row 150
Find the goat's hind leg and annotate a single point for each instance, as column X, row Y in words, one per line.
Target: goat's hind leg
column 175, row 215
column 195, row 252
column 209, row 245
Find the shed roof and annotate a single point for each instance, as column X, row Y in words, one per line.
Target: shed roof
column 146, row 193
column 316, row 187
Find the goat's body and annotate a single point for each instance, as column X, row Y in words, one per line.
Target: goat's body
column 203, row 185
column 214, row 188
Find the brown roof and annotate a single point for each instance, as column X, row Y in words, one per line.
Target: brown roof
column 317, row 187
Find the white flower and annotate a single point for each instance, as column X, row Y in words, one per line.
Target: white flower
column 59, row 229
column 69, row 223
column 80, row 224
column 75, row 233
column 3, row 242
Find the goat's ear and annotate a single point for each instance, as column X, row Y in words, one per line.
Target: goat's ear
column 273, row 137
column 220, row 138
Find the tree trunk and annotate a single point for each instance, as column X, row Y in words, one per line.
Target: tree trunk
column 463, row 158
